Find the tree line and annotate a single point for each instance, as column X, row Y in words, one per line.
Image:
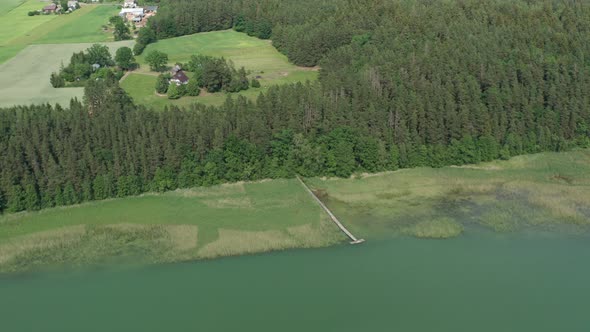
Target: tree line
column 402, row 84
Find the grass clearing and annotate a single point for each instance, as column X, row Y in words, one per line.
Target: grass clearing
column 256, row 55
column 25, row 79
column 549, row 191
column 181, row 225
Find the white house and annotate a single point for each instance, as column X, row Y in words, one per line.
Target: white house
column 129, row 4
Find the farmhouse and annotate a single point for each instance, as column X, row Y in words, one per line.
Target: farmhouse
column 132, row 14
column 179, row 77
column 50, row 8
column 129, row 4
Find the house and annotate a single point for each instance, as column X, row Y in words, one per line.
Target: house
column 73, row 4
column 179, row 78
column 130, row 13
column 151, row 9
column 52, row 8
column 129, row 4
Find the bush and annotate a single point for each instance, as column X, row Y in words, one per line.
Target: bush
column 163, row 83
column 57, row 81
column 33, row 13
column 255, row 83
column 173, row 92
column 138, row 48
column 192, row 88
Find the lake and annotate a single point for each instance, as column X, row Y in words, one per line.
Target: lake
column 478, row 282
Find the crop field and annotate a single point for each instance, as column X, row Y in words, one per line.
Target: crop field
column 18, row 30
column 548, row 191
column 25, row 79
column 184, row 224
column 256, row 55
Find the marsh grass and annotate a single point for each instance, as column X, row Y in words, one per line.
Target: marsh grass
column 186, row 224
column 435, row 229
column 548, row 191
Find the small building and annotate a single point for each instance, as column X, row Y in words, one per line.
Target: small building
column 131, row 12
column 179, row 78
column 52, row 8
column 129, row 4
column 151, row 9
column 73, row 4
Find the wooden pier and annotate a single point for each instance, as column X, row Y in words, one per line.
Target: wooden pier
column 354, row 239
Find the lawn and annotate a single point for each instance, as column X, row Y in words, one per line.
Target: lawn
column 25, row 79
column 17, row 30
column 256, row 55
column 549, row 191
column 207, row 222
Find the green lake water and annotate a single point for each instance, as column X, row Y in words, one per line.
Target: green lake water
column 483, row 282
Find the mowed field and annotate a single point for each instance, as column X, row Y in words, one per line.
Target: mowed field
column 18, row 30
column 24, row 79
column 185, row 224
column 547, row 192
column 256, row 55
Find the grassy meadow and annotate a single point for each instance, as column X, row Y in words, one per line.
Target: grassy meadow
column 180, row 225
column 17, row 30
column 25, row 79
column 256, row 55
column 548, row 191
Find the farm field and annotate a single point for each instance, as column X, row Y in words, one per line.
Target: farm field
column 256, row 55
column 8, row 5
column 542, row 192
column 184, row 224
column 548, row 191
column 17, row 30
column 33, row 67
column 82, row 26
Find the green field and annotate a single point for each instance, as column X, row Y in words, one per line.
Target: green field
column 25, row 79
column 82, row 26
column 549, row 191
column 543, row 192
column 8, row 5
column 256, row 55
column 184, row 224
column 17, row 30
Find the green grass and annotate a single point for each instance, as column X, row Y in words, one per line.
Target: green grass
column 25, row 78
column 549, row 191
column 223, row 220
column 8, row 5
column 17, row 30
column 82, row 26
column 256, row 55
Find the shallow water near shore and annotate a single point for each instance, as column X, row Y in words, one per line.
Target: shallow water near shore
column 477, row 282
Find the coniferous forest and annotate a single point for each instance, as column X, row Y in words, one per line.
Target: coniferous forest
column 402, row 84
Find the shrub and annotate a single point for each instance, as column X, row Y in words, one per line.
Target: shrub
column 255, row 83
column 57, row 81
column 173, row 92
column 163, row 83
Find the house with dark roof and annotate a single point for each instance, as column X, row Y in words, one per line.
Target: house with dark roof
column 50, row 8
column 151, row 9
column 179, row 78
